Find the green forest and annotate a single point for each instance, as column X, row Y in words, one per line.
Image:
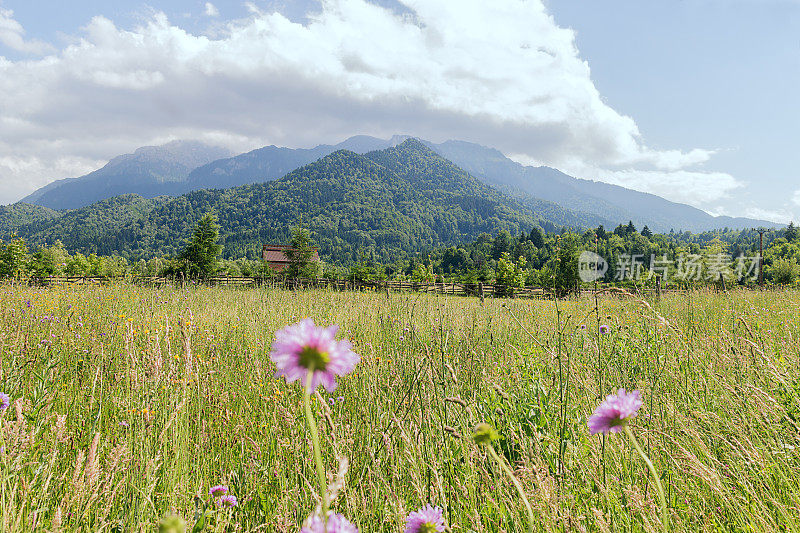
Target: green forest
column 386, row 204
column 400, row 213
column 538, row 258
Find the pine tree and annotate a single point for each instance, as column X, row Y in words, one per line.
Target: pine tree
column 301, row 264
column 536, row 237
column 199, row 258
column 791, row 232
column 600, row 232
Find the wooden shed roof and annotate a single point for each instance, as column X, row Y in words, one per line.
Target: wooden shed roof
column 273, row 253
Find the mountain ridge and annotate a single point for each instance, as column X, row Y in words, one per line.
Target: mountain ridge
column 591, row 202
column 354, row 204
column 149, row 171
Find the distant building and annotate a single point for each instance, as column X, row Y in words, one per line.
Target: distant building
column 274, row 256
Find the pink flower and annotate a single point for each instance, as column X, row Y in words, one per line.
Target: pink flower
column 229, row 500
column 336, row 524
column 429, row 519
column 615, row 412
column 5, row 401
column 304, row 347
column 218, row 490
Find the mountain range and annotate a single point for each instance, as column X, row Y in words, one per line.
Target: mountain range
column 184, row 166
column 150, row 171
column 385, row 204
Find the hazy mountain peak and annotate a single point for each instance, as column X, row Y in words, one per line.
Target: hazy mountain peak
column 149, row 171
column 182, row 166
column 190, row 154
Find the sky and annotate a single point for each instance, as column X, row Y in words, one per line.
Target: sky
column 693, row 100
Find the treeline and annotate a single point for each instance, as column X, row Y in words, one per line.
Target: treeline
column 538, row 257
column 392, row 203
column 17, row 261
column 550, row 259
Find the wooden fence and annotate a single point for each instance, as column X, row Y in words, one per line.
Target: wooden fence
column 451, row 288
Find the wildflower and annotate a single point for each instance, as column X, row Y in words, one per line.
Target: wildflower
column 5, row 401
column 429, row 519
column 583, row 326
column 170, row 524
column 124, row 424
column 229, row 500
column 614, row 415
column 484, row 434
column 304, row 347
column 336, row 524
column 603, row 329
column 615, row 412
column 218, row 490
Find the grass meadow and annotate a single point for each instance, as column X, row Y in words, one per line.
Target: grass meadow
column 129, row 402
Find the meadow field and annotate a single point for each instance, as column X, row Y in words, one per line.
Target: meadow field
column 127, row 404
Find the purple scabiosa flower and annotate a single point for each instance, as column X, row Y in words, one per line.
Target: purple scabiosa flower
column 218, row 490
column 603, row 329
column 429, row 519
column 615, row 412
column 336, row 524
column 5, row 401
column 124, row 424
column 229, row 500
column 582, row 326
column 304, row 347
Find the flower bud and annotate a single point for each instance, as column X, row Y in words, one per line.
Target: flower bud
column 484, row 434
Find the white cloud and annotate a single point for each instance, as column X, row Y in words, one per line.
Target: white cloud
column 12, row 34
column 499, row 73
column 796, row 197
column 211, row 10
column 781, row 216
column 695, row 188
column 37, row 172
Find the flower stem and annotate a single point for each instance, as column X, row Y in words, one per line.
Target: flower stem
column 312, row 426
column 515, row 481
column 659, row 488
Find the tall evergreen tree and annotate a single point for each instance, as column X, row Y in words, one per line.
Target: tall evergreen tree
column 536, row 237
column 791, row 232
column 300, row 255
column 199, row 257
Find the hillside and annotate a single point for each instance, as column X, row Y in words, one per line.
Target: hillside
column 179, row 168
column 390, row 203
column 149, row 172
column 272, row 162
column 13, row 216
column 612, row 202
column 89, row 229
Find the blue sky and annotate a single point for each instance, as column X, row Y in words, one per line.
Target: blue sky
column 722, row 74
column 694, row 100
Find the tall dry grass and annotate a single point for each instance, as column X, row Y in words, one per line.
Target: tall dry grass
column 188, row 372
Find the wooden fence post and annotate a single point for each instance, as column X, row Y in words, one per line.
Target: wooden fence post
column 480, row 290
